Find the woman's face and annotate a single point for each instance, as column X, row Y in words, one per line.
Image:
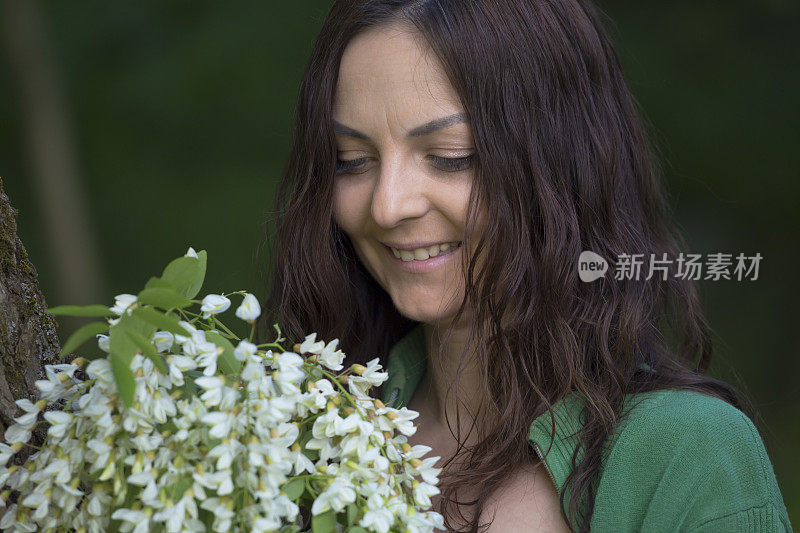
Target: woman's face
column 405, row 170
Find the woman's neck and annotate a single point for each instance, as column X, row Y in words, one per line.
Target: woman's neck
column 466, row 396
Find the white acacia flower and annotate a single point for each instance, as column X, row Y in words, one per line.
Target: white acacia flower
column 163, row 340
column 338, row 494
column 249, row 310
column 302, row 464
column 31, row 413
column 426, row 470
column 370, row 377
column 379, row 520
column 189, row 328
column 245, row 350
column 174, row 516
column 220, row 423
column 103, row 342
column 423, row 492
column 331, row 357
column 177, row 365
column 222, row 513
column 265, row 524
column 135, row 521
column 214, row 304
column 403, row 419
column 220, row 481
column 215, row 439
column 59, row 470
column 123, row 302
column 207, row 359
column 310, row 346
column 100, row 369
column 59, row 423
column 253, row 371
column 6, row 452
column 224, row 453
column 213, row 389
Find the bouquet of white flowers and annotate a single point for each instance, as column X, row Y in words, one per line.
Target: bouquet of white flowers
column 179, row 429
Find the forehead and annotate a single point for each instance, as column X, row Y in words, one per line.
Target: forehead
column 389, row 75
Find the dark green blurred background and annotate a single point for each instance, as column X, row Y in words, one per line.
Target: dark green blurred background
column 167, row 124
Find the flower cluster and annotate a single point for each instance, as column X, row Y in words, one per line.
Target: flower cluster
column 194, row 433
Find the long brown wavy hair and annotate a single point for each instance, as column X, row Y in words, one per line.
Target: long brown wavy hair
column 562, row 164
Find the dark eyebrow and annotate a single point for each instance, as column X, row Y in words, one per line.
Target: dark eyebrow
column 424, row 129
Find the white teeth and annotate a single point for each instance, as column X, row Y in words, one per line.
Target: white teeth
column 421, row 254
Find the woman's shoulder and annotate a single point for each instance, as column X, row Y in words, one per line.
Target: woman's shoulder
column 692, row 457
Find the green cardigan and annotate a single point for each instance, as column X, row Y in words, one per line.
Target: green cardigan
column 678, row 461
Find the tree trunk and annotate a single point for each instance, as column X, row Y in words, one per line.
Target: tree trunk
column 28, row 337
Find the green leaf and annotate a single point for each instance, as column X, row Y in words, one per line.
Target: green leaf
column 352, row 514
column 200, row 276
column 135, row 323
column 164, row 298
column 81, row 310
column 83, row 334
column 324, row 522
column 122, row 351
column 188, row 381
column 294, row 489
column 179, row 487
column 158, row 283
column 182, row 273
column 356, row 529
column 160, row 320
column 148, row 350
column 226, row 362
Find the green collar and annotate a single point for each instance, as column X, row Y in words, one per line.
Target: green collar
column 406, row 366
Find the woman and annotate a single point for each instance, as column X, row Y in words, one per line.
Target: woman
column 451, row 161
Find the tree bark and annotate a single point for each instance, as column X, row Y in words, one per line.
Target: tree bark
column 28, row 338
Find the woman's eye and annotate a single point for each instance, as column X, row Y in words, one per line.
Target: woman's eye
column 349, row 166
column 453, row 164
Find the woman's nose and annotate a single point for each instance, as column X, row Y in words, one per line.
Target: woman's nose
column 399, row 192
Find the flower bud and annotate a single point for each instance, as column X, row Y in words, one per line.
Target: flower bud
column 391, row 415
column 378, row 404
column 295, row 447
column 249, row 310
column 358, row 369
column 406, row 447
column 416, row 463
column 296, row 347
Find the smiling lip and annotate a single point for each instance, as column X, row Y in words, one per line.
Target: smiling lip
column 415, row 245
column 419, row 267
